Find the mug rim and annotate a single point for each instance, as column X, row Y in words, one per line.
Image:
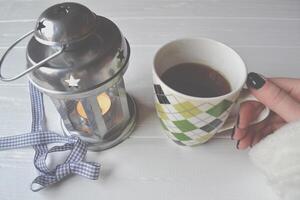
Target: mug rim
column 232, row 92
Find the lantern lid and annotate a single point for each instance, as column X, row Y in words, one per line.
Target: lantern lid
column 64, row 23
column 94, row 52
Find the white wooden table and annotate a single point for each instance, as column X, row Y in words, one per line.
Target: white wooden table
column 148, row 165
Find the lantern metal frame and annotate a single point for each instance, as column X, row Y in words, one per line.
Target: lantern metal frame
column 95, row 143
column 42, row 62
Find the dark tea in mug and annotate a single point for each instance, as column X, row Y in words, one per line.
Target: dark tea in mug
column 195, row 79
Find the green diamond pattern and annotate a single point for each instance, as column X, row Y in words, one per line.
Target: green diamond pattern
column 159, row 107
column 185, row 125
column 178, row 119
column 163, row 115
column 181, row 136
column 212, row 125
column 161, row 112
column 218, row 109
column 187, row 109
column 204, row 138
column 184, row 106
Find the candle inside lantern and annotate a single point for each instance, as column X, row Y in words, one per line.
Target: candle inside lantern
column 104, row 103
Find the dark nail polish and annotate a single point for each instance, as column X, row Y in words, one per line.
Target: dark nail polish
column 251, row 145
column 237, row 144
column 233, row 131
column 238, row 121
column 255, row 81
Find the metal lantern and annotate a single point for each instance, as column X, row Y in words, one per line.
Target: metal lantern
column 78, row 59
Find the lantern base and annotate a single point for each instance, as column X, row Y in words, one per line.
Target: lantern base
column 124, row 133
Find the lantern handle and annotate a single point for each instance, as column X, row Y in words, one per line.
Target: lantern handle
column 37, row 65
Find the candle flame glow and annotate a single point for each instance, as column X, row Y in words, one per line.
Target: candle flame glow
column 104, row 103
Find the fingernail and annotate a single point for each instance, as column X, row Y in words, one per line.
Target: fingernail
column 251, row 145
column 237, row 144
column 233, row 131
column 238, row 121
column 255, row 81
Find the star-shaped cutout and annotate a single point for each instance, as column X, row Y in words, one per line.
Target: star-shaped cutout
column 121, row 55
column 63, row 9
column 72, row 81
column 40, row 26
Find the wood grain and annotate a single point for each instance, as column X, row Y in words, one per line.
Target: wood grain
column 236, row 32
column 274, row 9
column 164, row 172
column 148, row 165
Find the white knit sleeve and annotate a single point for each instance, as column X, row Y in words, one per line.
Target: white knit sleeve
column 278, row 156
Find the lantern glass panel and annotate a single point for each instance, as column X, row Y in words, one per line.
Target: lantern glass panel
column 96, row 116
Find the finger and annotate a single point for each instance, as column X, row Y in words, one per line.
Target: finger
column 248, row 112
column 276, row 123
column 290, row 85
column 245, row 141
column 255, row 133
column 274, row 97
column 268, row 126
column 251, row 133
column 238, row 133
column 260, row 135
column 267, row 130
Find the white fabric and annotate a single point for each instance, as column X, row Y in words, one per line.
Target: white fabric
column 278, row 156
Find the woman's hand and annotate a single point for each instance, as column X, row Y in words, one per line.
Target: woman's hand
column 280, row 95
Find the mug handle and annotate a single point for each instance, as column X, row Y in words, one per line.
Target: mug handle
column 245, row 95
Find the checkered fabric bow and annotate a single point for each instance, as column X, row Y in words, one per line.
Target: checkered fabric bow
column 40, row 137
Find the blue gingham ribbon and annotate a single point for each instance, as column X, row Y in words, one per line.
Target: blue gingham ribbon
column 40, row 137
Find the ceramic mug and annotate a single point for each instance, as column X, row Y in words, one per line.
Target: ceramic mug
column 190, row 120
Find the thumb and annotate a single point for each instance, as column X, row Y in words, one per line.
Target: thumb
column 273, row 97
